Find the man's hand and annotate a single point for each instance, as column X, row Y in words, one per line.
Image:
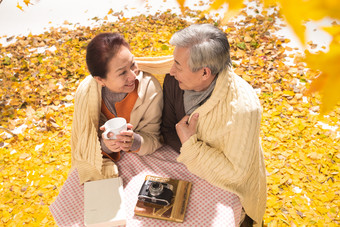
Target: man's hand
column 186, row 129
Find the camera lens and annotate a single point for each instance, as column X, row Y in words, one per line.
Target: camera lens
column 156, row 188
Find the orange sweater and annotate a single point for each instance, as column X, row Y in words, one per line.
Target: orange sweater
column 123, row 109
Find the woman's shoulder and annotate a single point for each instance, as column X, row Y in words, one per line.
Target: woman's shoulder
column 86, row 83
column 148, row 81
column 86, row 86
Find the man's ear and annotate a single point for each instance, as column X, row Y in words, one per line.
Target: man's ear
column 206, row 73
column 99, row 80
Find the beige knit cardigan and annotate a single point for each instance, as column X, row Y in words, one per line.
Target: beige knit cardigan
column 226, row 149
column 85, row 144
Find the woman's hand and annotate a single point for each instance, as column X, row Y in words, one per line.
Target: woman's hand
column 111, row 144
column 123, row 141
column 125, row 138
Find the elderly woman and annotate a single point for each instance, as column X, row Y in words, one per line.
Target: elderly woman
column 115, row 88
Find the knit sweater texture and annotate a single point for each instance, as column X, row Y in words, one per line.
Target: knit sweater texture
column 226, row 148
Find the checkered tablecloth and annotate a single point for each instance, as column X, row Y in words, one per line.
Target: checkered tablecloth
column 208, row 205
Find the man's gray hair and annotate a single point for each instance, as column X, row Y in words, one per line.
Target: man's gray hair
column 209, row 47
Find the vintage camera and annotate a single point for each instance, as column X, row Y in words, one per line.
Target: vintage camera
column 156, row 193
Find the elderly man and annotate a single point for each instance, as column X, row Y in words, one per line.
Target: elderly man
column 212, row 118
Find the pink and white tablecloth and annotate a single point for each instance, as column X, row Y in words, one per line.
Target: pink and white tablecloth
column 208, row 205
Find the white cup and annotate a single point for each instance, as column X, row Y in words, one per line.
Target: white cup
column 114, row 125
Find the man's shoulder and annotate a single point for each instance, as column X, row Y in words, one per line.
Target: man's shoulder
column 240, row 82
column 243, row 86
column 246, row 95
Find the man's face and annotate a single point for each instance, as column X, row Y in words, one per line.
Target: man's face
column 187, row 79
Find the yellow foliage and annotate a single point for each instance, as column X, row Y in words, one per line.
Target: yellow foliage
column 181, row 4
column 19, row 7
column 36, row 91
column 329, row 80
column 27, row 2
column 233, row 8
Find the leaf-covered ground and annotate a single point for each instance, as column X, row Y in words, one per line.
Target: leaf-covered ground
column 40, row 74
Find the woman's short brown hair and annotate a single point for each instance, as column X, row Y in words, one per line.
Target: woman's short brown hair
column 102, row 48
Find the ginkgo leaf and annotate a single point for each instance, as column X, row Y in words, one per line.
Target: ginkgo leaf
column 317, row 10
column 334, row 31
column 328, row 82
column 269, row 3
column 19, row 7
column 27, row 2
column 232, row 4
column 294, row 16
column 233, row 8
column 181, row 4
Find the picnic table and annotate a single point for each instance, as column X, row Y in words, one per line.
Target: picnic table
column 208, row 205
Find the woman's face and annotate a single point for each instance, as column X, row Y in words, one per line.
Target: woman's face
column 122, row 72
